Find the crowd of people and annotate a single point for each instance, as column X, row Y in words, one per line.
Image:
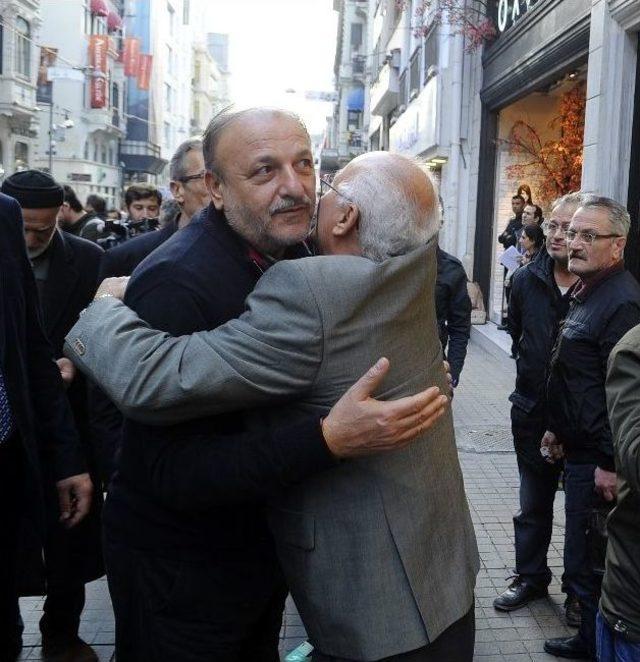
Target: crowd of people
column 259, row 388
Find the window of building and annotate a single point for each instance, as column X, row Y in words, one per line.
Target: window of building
column 1, row 42
column 87, row 18
column 430, row 52
column 115, row 96
column 170, row 61
column 172, row 18
column 402, row 97
column 95, row 152
column 414, row 74
column 86, row 150
column 21, row 153
column 98, row 24
column 112, row 159
column 168, row 97
column 103, row 154
column 23, row 48
column 354, row 118
column 356, row 35
column 167, row 134
column 186, row 10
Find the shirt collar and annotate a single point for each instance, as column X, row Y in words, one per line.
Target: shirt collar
column 582, row 289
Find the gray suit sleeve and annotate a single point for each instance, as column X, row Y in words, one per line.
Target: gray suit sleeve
column 270, row 354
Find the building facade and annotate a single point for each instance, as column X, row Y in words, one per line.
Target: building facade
column 20, row 22
column 80, row 96
column 209, row 83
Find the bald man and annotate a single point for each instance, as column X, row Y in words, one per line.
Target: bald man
column 378, row 552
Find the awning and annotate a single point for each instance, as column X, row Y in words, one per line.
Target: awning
column 114, row 22
column 100, row 7
column 355, row 99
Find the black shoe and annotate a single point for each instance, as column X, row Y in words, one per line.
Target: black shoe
column 573, row 611
column 572, row 648
column 518, row 595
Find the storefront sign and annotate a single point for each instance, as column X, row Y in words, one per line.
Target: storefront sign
column 144, row 71
column 509, row 11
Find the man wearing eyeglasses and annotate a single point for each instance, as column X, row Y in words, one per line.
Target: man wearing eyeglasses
column 539, row 302
column 605, row 305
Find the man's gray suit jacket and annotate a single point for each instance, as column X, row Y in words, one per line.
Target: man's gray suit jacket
column 379, row 553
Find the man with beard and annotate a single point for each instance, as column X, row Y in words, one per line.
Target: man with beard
column 605, row 305
column 192, row 569
column 539, row 302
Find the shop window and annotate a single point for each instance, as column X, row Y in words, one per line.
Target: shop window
column 414, row 75
column 402, row 102
column 21, row 153
column 430, row 54
column 23, row 48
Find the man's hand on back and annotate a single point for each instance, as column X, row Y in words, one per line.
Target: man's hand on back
column 360, row 425
column 74, row 496
column 112, row 287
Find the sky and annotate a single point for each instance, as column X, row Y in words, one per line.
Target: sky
column 279, row 45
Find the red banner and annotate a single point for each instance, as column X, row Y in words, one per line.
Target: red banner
column 99, row 92
column 131, row 56
column 144, row 71
column 98, row 48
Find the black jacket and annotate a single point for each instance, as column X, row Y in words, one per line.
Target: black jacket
column 597, row 319
column 106, row 420
column 196, row 488
column 39, row 407
column 511, row 233
column 453, row 310
column 536, row 309
column 73, row 556
column 85, row 227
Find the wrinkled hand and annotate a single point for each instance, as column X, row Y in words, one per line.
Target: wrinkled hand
column 74, row 497
column 360, row 425
column 606, row 485
column 114, row 287
column 550, row 448
column 67, row 371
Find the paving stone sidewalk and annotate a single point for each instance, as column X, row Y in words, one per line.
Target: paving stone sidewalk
column 481, row 413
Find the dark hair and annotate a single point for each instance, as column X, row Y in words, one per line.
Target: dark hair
column 97, row 203
column 535, row 233
column 71, row 198
column 518, row 197
column 537, row 214
column 141, row 192
column 222, row 120
column 527, row 190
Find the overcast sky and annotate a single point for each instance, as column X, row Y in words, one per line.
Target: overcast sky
column 277, row 45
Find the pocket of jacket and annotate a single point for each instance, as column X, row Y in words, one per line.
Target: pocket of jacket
column 293, row 528
column 521, row 402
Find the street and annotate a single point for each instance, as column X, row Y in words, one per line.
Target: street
column 481, row 413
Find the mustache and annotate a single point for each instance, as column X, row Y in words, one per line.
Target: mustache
column 289, row 203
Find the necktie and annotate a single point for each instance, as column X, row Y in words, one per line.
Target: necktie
column 6, row 420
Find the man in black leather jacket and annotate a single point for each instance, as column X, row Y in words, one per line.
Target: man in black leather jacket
column 605, row 305
column 539, row 302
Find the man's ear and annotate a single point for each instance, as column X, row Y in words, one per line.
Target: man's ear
column 347, row 222
column 177, row 191
column 213, row 184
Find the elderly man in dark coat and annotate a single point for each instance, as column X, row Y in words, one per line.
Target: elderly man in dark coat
column 65, row 269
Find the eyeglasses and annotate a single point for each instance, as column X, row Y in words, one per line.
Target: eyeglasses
column 586, row 236
column 552, row 228
column 190, row 178
column 325, row 182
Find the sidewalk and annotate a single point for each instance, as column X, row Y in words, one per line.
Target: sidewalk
column 481, row 414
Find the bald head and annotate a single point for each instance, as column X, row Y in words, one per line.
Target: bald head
column 396, row 200
column 241, row 120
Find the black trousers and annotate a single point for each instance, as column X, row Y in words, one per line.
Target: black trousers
column 169, row 610
column 455, row 644
column 12, row 465
column 534, row 522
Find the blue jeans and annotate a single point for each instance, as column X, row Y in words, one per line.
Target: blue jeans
column 581, row 581
column 612, row 647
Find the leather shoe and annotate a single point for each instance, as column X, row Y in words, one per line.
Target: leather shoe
column 573, row 611
column 76, row 650
column 518, row 595
column 571, row 648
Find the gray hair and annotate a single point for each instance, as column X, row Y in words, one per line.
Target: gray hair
column 177, row 168
column 392, row 221
column 568, row 200
column 617, row 213
column 220, row 122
